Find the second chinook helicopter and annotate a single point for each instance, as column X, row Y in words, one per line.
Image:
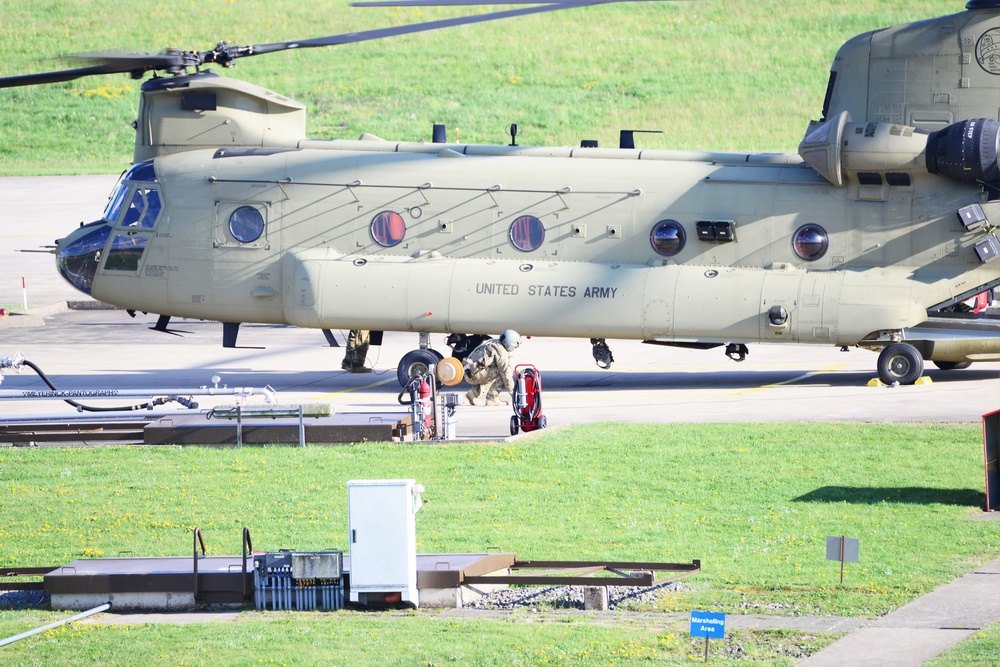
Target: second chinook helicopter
column 874, row 234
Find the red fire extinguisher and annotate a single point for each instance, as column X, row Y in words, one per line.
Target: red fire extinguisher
column 425, row 403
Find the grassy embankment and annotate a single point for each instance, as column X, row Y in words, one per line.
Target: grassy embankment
column 711, row 75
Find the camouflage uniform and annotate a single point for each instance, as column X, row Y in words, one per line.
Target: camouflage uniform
column 488, row 369
column 357, row 351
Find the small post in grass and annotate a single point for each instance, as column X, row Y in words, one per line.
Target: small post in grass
column 844, row 549
column 708, row 624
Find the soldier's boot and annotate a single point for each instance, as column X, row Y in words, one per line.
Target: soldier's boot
column 473, row 395
column 354, row 360
column 493, row 395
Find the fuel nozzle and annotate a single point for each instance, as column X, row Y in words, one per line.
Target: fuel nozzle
column 13, row 362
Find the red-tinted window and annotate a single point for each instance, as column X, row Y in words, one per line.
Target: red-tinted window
column 527, row 233
column 388, row 228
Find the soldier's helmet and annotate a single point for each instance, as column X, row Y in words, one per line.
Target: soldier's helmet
column 510, row 340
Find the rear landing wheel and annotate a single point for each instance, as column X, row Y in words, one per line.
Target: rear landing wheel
column 900, row 362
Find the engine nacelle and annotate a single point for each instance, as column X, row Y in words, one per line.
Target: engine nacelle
column 966, row 151
column 841, row 151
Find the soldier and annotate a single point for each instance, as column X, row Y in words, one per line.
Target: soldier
column 357, row 352
column 488, row 369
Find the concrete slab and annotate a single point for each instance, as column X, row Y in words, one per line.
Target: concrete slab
column 922, row 629
column 883, row 647
column 969, row 603
column 21, row 321
column 988, row 568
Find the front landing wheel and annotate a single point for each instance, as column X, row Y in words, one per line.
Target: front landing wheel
column 416, row 362
column 900, row 362
column 515, row 425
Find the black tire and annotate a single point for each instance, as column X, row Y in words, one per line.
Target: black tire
column 900, row 362
column 515, row 425
column 416, row 362
column 542, row 422
column 952, row 365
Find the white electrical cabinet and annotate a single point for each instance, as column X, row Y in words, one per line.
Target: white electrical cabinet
column 383, row 538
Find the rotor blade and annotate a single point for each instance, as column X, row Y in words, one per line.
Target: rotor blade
column 56, row 77
column 469, row 3
column 131, row 62
column 176, row 61
column 366, row 35
column 108, row 63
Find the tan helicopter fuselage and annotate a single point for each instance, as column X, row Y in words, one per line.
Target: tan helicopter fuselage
column 893, row 251
column 734, row 263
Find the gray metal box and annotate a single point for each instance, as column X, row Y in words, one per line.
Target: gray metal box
column 317, row 565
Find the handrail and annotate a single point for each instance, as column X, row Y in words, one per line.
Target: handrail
column 197, row 538
column 247, row 549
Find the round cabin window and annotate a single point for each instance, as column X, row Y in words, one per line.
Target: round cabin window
column 810, row 242
column 527, row 233
column 667, row 237
column 246, row 224
column 388, row 228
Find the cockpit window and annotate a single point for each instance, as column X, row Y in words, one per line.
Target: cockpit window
column 144, row 206
column 143, row 209
column 115, row 205
column 152, row 208
column 135, row 209
column 141, row 172
column 125, row 252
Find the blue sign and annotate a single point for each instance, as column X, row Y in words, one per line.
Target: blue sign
column 708, row 624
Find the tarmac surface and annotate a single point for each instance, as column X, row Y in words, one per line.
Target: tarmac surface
column 107, row 349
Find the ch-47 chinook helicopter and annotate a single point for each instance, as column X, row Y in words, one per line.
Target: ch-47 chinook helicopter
column 873, row 235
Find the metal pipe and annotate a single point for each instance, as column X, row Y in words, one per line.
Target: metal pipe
column 37, row 394
column 81, row 615
column 83, row 417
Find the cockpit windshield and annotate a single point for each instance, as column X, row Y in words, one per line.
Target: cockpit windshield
column 144, row 202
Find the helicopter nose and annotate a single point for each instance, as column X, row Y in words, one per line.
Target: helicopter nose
column 78, row 254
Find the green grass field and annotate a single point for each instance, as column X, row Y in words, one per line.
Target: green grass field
column 711, row 74
column 753, row 502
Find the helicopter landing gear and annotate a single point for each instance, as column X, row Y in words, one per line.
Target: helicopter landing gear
column 462, row 345
column 737, row 351
column 602, row 353
column 900, row 363
column 416, row 362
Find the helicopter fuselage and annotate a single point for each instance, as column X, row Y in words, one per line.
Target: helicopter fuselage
column 891, row 251
column 874, row 234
